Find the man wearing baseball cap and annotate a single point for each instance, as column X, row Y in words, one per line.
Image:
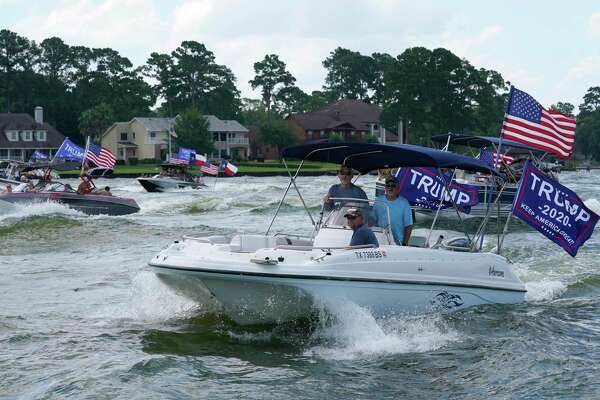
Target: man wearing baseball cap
column 400, row 214
column 344, row 189
column 362, row 233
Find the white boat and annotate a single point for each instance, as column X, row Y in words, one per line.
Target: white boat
column 172, row 176
column 278, row 277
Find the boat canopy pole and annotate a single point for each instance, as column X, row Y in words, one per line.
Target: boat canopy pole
column 292, row 182
column 481, row 229
column 283, row 198
column 504, row 231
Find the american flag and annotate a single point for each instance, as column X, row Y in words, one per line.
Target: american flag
column 209, row 169
column 492, row 159
column 527, row 122
column 100, row 156
column 179, row 161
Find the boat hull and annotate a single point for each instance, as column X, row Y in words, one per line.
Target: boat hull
column 249, row 293
column 89, row 204
column 165, row 184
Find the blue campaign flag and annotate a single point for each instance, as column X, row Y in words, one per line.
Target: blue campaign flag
column 187, row 154
column 69, row 151
column 553, row 209
column 424, row 187
column 38, row 155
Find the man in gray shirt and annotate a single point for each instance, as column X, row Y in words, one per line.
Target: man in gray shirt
column 363, row 235
column 344, row 189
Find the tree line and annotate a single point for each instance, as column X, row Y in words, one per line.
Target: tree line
column 84, row 90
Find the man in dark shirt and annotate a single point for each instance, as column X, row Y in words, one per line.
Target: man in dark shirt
column 362, row 233
column 344, row 189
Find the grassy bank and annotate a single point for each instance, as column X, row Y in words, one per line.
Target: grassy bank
column 249, row 167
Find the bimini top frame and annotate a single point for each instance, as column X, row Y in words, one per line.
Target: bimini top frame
column 366, row 157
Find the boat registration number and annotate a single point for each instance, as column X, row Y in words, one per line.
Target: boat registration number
column 370, row 254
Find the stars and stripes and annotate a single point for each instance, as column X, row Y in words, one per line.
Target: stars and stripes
column 210, row 169
column 100, row 156
column 178, row 161
column 492, row 159
column 527, row 122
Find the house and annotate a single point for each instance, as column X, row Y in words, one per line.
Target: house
column 353, row 120
column 259, row 150
column 21, row 135
column 148, row 138
column 230, row 138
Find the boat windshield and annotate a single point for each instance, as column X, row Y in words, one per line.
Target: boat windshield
column 58, row 187
column 336, row 217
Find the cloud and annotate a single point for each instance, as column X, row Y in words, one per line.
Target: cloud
column 124, row 25
column 594, row 25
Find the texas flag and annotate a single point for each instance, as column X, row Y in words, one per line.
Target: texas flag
column 199, row 160
column 228, row 167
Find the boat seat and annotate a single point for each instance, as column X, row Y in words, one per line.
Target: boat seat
column 458, row 244
column 251, row 243
column 417, row 241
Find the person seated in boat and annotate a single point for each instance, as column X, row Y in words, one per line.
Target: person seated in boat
column 30, row 188
column 85, row 186
column 362, row 234
column 400, row 213
column 344, row 189
column 7, row 189
column 104, row 192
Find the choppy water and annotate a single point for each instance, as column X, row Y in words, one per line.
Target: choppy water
column 82, row 317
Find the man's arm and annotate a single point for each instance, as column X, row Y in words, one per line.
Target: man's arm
column 407, row 233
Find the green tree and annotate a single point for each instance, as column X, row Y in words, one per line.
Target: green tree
column 370, row 138
column 192, row 131
column 336, row 137
column 291, row 99
column 270, row 73
column 563, row 108
column 94, row 121
column 272, row 129
column 189, row 77
column 350, row 75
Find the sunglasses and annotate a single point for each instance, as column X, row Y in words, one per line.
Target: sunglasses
column 351, row 217
column 390, row 185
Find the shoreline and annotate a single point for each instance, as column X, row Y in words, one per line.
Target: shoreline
column 255, row 174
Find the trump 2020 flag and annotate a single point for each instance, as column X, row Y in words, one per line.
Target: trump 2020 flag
column 424, row 188
column 228, row 167
column 553, row 209
column 38, row 155
column 69, row 151
column 191, row 157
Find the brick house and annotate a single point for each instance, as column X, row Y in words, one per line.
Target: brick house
column 351, row 119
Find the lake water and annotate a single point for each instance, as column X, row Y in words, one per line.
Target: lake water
column 81, row 315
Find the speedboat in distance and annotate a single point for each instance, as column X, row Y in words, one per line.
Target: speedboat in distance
column 172, row 176
column 276, row 277
column 88, row 201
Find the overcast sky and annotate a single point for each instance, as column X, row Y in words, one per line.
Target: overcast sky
column 550, row 49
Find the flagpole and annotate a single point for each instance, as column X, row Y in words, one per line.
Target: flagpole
column 87, row 146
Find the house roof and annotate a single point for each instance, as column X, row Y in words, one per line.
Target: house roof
column 165, row 124
column 224, row 125
column 354, row 113
column 25, row 122
column 156, row 124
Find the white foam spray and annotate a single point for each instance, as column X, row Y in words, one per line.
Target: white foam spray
column 351, row 331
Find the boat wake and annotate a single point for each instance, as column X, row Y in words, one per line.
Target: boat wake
column 150, row 301
column 348, row 331
column 21, row 211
